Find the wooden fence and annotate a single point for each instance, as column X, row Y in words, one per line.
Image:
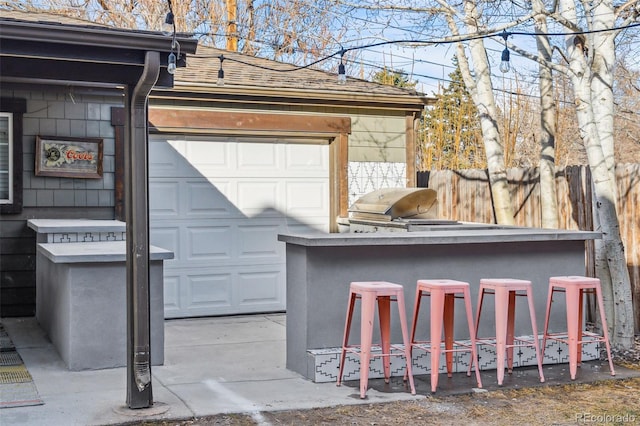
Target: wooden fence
column 465, row 195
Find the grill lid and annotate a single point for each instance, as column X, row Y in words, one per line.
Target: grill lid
column 392, row 203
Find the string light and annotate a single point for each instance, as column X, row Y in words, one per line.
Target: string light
column 171, row 63
column 342, row 73
column 504, row 63
column 220, row 81
column 170, row 24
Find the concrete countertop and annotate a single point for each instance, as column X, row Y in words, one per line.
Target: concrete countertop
column 51, row 226
column 433, row 237
column 104, row 251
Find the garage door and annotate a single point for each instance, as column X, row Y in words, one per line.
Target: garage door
column 219, row 204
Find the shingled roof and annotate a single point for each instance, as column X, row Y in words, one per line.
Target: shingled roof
column 245, row 74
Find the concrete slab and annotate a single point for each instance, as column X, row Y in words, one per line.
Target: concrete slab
column 211, row 368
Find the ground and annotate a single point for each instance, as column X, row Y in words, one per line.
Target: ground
column 604, row 402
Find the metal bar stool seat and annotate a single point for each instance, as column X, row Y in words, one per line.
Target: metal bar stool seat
column 384, row 293
column 505, row 291
column 442, row 293
column 575, row 287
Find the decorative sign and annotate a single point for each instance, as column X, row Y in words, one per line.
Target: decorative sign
column 69, row 157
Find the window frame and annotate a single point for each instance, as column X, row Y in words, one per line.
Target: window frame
column 11, row 189
column 15, row 107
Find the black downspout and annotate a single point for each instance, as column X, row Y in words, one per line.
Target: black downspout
column 139, row 391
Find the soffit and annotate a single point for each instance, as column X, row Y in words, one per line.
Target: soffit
column 45, row 48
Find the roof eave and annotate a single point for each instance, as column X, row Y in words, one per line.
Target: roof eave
column 91, row 36
column 296, row 96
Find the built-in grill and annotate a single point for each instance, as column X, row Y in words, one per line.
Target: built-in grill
column 396, row 209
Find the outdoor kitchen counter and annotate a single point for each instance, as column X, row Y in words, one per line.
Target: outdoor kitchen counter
column 449, row 236
column 81, row 291
column 321, row 266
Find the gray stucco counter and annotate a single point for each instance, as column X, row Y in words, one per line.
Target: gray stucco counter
column 321, row 266
column 81, row 291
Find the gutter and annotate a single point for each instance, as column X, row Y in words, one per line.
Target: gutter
column 92, row 36
column 139, row 393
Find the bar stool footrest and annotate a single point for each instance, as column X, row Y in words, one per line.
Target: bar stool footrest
column 459, row 346
column 376, row 350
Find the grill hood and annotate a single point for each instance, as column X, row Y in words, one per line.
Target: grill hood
column 396, row 203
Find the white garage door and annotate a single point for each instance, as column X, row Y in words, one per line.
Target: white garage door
column 219, row 204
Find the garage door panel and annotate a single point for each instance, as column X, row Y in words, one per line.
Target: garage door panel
column 171, row 294
column 258, row 156
column 167, row 237
column 164, row 160
column 207, row 243
column 209, row 291
column 256, row 243
column 260, row 288
column 307, row 160
column 164, row 199
column 256, row 197
column 302, row 198
column 210, row 157
column 204, row 198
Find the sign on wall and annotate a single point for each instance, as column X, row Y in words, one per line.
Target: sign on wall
column 69, row 157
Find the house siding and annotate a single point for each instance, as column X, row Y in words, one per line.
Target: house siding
column 52, row 114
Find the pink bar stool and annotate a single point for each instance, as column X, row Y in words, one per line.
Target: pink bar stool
column 574, row 288
column 505, row 291
column 370, row 292
column 443, row 294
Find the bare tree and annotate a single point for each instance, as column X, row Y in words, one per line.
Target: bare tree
column 547, row 166
column 480, row 86
column 289, row 30
column 591, row 58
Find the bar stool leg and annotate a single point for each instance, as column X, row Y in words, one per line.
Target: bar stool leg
column 384, row 311
column 406, row 341
column 605, row 331
column 580, row 326
column 472, row 335
column 502, row 300
column 347, row 330
column 573, row 330
column 477, row 323
column 366, row 337
column 510, row 332
column 449, row 307
column 534, row 329
column 546, row 319
column 414, row 323
column 437, row 315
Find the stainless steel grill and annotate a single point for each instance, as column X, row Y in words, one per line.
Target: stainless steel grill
column 396, row 209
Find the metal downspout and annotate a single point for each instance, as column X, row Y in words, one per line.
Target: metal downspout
column 139, row 391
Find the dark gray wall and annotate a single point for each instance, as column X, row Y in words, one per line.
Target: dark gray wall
column 52, row 113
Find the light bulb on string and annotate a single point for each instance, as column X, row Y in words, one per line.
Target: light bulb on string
column 171, row 63
column 168, row 27
column 220, row 81
column 342, row 73
column 172, row 60
column 505, row 66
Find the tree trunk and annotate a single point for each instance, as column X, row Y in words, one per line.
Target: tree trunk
column 581, row 77
column 482, row 93
column 548, row 195
column 604, row 58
